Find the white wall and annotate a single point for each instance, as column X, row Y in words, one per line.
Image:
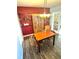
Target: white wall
column 19, row 41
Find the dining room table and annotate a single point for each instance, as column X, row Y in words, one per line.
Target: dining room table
column 40, row 36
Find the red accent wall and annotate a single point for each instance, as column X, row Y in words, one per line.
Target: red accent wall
column 27, row 29
column 31, row 10
column 25, row 11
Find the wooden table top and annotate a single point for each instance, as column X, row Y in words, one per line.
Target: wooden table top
column 42, row 35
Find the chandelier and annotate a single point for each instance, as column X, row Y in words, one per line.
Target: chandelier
column 44, row 15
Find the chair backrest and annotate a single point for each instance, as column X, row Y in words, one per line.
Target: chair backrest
column 47, row 28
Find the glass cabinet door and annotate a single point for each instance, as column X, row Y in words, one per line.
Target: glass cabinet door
column 57, row 20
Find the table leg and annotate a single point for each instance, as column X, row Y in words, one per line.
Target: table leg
column 38, row 44
column 53, row 40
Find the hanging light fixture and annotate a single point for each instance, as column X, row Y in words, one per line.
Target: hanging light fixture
column 44, row 15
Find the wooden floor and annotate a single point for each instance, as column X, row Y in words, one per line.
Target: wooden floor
column 31, row 52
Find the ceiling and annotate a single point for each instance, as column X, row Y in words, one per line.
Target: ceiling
column 38, row 3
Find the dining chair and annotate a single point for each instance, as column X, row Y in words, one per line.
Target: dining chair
column 47, row 28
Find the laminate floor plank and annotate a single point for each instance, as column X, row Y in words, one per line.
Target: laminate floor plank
column 46, row 51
